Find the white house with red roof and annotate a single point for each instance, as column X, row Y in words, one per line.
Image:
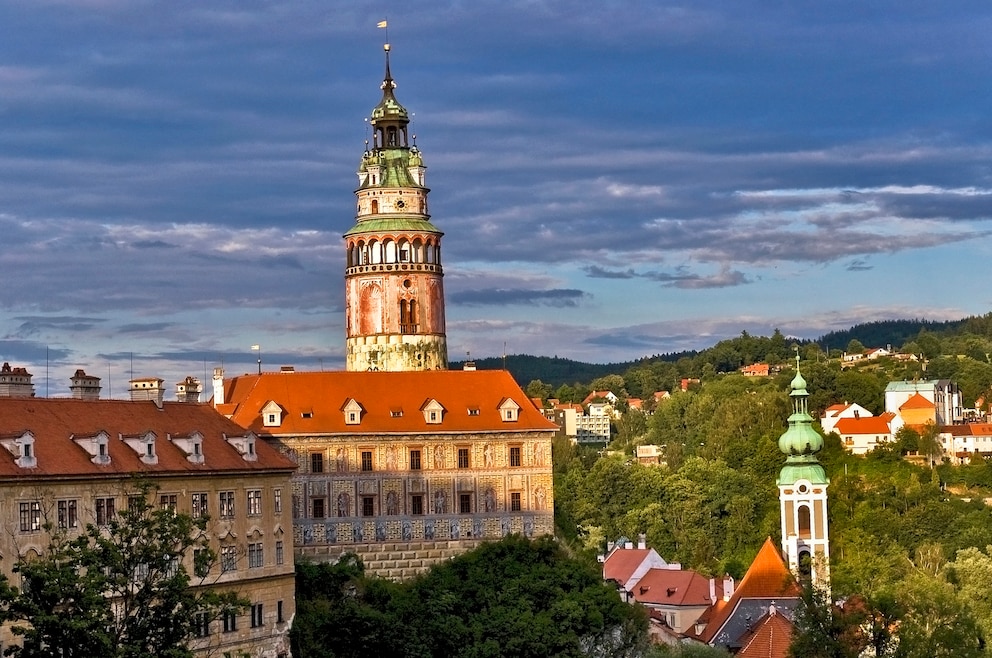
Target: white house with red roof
column 861, row 435
column 833, row 413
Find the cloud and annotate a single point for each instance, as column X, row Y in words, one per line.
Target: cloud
column 518, row 297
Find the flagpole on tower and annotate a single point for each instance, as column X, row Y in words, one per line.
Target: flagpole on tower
column 384, row 25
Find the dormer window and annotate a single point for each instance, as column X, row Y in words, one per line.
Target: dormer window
column 192, row 445
column 353, row 411
column 271, row 414
column 473, row 411
column 509, row 411
column 22, row 448
column 433, row 412
column 97, row 446
column 143, row 445
column 245, row 445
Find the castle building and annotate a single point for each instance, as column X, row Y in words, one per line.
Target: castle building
column 406, row 469
column 394, row 295
column 802, row 486
column 67, row 463
column 398, row 458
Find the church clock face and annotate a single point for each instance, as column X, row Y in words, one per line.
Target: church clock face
column 401, row 204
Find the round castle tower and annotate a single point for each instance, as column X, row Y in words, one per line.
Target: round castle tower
column 394, row 296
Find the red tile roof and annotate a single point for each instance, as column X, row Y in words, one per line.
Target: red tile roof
column 770, row 638
column 969, row 429
column 917, row 401
column 53, row 421
column 313, row 402
column 865, row 425
column 768, row 577
column 674, row 587
column 621, row 564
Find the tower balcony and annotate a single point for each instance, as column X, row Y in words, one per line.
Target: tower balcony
column 433, row 268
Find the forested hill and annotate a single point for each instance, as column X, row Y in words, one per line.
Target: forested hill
column 887, row 332
column 557, row 371
column 728, row 355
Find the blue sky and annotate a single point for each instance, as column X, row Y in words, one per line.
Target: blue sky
column 614, row 179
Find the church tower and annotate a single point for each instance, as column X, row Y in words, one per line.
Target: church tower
column 394, row 296
column 802, row 487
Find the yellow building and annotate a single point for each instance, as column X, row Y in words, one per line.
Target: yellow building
column 404, row 468
column 72, row 462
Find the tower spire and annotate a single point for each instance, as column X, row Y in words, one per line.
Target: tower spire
column 802, row 486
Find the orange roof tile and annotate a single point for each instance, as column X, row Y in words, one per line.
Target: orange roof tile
column 770, row 638
column 970, row 429
column 674, row 587
column 53, row 421
column 391, row 402
column 768, row 577
column 867, row 425
column 917, row 401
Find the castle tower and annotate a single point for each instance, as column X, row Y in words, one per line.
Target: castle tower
column 802, row 487
column 394, row 296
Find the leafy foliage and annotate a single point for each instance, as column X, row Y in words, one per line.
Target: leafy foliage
column 513, row 597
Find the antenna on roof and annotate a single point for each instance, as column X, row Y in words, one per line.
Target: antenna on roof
column 504, row 355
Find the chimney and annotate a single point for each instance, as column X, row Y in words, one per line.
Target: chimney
column 728, row 586
column 628, row 545
column 287, row 369
column 712, row 590
column 15, row 382
column 218, row 386
column 148, row 388
column 469, row 365
column 642, row 541
column 83, row 386
column 188, row 390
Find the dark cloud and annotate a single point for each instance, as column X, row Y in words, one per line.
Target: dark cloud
column 858, row 265
column 597, row 272
column 144, row 327
column 517, row 297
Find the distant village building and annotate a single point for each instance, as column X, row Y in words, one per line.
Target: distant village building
column 835, row 412
column 943, row 394
column 756, row 370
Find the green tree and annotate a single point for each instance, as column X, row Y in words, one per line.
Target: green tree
column 538, row 389
column 855, row 347
column 120, row 591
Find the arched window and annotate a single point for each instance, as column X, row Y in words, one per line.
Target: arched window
column 390, row 248
column 804, row 522
column 375, row 205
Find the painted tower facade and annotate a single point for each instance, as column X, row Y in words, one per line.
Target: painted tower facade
column 802, row 486
column 394, row 295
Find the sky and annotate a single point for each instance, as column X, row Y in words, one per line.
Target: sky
column 614, row 179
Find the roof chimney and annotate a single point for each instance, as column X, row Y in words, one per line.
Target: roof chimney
column 218, row 386
column 728, row 586
column 188, row 390
column 83, row 386
column 15, row 382
column 642, row 541
column 148, row 388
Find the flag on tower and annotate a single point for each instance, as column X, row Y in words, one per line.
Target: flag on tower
column 382, row 24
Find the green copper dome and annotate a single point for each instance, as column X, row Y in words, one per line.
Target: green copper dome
column 800, row 441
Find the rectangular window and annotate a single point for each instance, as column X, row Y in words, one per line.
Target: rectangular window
column 277, row 501
column 279, row 617
column 201, row 562
column 317, row 508
column 135, row 504
column 465, row 503
column 230, row 621
column 199, row 505
column 515, row 456
column 255, row 502
column 256, row 559
column 280, row 552
column 169, row 502
column 515, row 501
column 30, row 516
column 366, row 460
column 417, row 504
column 463, row 458
column 316, row 462
column 256, row 615
column 68, row 517
column 104, row 510
column 201, row 625
column 368, row 505
column 228, row 558
column 226, row 504
column 415, row 460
